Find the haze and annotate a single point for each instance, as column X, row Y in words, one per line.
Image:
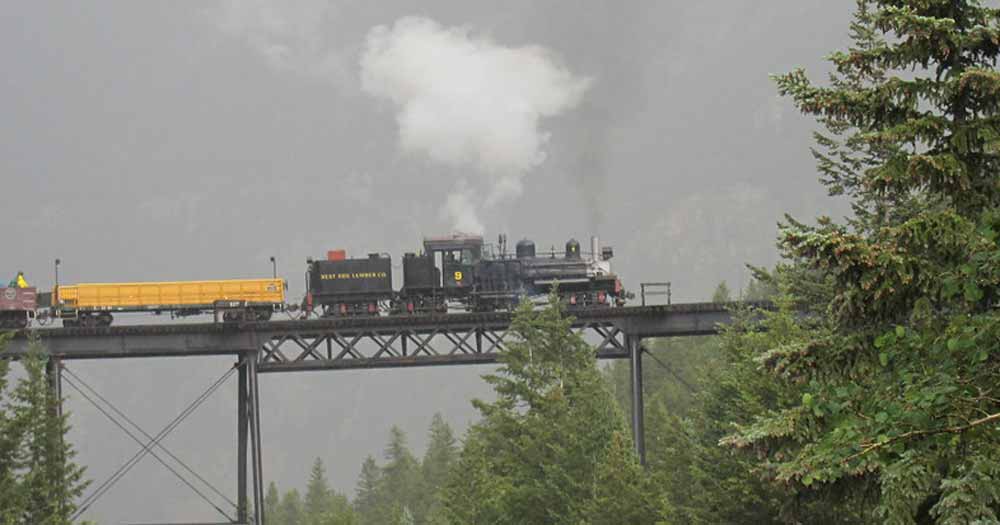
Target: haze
column 169, row 141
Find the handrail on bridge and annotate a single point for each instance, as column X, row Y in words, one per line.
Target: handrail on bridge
column 644, row 293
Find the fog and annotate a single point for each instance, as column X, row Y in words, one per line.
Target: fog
column 170, row 141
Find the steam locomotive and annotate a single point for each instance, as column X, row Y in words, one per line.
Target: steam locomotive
column 453, row 273
column 461, row 272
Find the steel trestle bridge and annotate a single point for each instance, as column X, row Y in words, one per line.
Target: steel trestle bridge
column 363, row 343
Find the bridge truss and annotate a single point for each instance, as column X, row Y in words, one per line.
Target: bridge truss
column 365, row 343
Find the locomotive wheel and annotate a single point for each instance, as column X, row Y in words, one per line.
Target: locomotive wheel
column 70, row 323
column 104, row 319
column 263, row 314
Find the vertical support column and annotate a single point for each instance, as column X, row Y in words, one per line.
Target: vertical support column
column 53, row 373
column 634, row 345
column 53, row 370
column 242, row 434
column 255, row 444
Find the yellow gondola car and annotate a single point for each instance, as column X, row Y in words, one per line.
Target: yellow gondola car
column 91, row 304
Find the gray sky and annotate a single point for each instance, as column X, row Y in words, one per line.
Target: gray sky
column 166, row 140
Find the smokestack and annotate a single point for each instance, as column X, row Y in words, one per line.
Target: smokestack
column 595, row 247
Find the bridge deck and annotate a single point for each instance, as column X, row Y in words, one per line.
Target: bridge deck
column 464, row 338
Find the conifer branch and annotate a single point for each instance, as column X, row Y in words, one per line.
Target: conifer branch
column 921, row 433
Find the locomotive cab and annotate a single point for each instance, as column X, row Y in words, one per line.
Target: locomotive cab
column 457, row 257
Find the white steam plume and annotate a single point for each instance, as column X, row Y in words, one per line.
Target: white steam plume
column 460, row 207
column 464, row 100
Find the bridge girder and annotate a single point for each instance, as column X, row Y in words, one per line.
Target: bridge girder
column 355, row 343
column 378, row 342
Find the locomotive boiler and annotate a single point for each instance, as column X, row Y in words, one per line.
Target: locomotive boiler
column 463, row 273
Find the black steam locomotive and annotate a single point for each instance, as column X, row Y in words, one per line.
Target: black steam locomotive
column 460, row 272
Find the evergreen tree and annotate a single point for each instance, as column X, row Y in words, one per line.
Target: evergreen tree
column 39, row 482
column 621, row 484
column 442, row 451
column 399, row 484
column 722, row 293
column 324, row 506
column 718, row 486
column 291, row 510
column 696, row 389
column 899, row 368
column 339, row 511
column 272, row 502
column 11, row 436
column 365, row 495
column 540, row 449
column 317, row 493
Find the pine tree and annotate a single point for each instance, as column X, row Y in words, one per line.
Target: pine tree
column 722, row 293
column 291, row 510
column 317, row 493
column 272, row 502
column 540, row 449
column 899, row 368
column 38, row 478
column 365, row 495
column 399, row 484
column 11, row 436
column 442, row 451
column 622, row 493
column 339, row 511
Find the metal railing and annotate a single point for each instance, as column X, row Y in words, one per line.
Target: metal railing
column 656, row 289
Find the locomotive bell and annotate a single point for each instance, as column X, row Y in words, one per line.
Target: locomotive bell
column 572, row 249
column 525, row 249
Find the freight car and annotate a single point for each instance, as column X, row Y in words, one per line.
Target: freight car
column 17, row 306
column 241, row 299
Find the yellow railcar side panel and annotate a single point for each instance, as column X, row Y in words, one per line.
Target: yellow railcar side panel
column 183, row 293
column 69, row 294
